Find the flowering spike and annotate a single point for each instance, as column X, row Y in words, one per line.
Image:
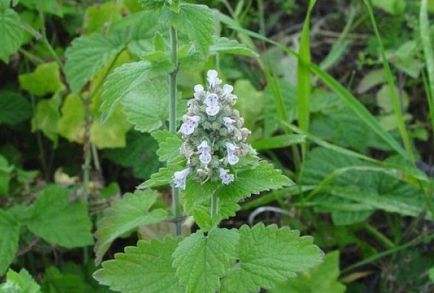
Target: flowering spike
column 213, row 134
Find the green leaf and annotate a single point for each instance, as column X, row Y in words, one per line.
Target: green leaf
column 279, row 141
column 431, row 274
column 229, row 46
column 247, row 182
column 201, row 261
column 321, row 278
column 14, row 108
column 56, row 281
column 87, row 55
column 10, row 229
column 58, row 221
column 99, row 15
column 146, row 105
column 5, row 175
column 146, row 267
column 19, row 282
column 162, row 178
column 126, row 78
column 169, row 145
column 45, row 79
column 248, row 96
column 197, row 22
column 12, row 33
column 394, row 7
column 46, row 118
column 128, row 214
column 269, row 255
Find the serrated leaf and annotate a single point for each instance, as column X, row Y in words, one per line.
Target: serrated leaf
column 45, row 79
column 57, row 221
column 229, row 46
column 132, row 211
column 10, row 229
column 169, row 145
column 201, row 260
column 20, row 282
column 197, row 197
column 321, row 278
column 198, row 23
column 125, row 78
column 162, row 177
column 86, row 56
column 146, row 267
column 12, row 33
column 146, row 106
column 269, row 255
column 14, row 108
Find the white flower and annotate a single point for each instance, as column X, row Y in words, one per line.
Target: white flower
column 231, row 148
column 225, row 176
column 212, row 77
column 229, row 123
column 190, row 124
column 205, row 158
column 227, row 90
column 205, row 152
column 180, row 177
column 204, row 147
column 211, row 100
column 212, row 110
column 199, row 91
column 233, row 159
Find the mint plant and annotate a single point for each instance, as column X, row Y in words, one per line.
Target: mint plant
column 211, row 167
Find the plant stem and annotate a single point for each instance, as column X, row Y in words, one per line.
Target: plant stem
column 380, row 236
column 86, row 148
column 176, row 205
column 214, row 205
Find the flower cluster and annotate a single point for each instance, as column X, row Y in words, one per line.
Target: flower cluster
column 213, row 135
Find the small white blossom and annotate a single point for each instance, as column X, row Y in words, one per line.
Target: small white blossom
column 227, row 90
column 199, row 91
column 180, row 177
column 225, row 176
column 205, row 158
column 231, row 148
column 211, row 100
column 212, row 110
column 212, row 77
column 229, row 123
column 190, row 124
column 203, row 147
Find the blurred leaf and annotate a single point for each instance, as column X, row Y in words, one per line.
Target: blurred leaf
column 88, row 54
column 146, row 105
column 248, row 96
column 125, row 215
column 57, row 282
column 45, row 79
column 321, row 278
column 58, row 221
column 147, row 265
column 14, row 108
column 407, row 60
column 269, row 255
column 431, row 274
column 230, row 46
column 71, row 124
column 370, row 80
column 279, row 141
column 391, row 6
column 46, row 118
column 139, row 154
column 98, row 16
column 12, row 33
column 201, row 260
column 19, row 282
column 10, row 229
column 48, row 6
column 198, row 23
column 5, row 175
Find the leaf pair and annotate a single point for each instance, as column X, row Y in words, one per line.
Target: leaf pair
column 239, row 261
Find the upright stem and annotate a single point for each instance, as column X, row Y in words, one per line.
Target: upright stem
column 214, row 204
column 86, row 148
column 176, row 205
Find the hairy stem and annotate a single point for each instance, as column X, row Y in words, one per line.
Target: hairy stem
column 176, row 205
column 214, row 205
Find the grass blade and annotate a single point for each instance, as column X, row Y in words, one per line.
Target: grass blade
column 429, row 55
column 303, row 77
column 396, row 104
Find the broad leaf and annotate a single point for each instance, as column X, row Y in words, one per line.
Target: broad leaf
column 14, row 108
column 169, row 144
column 12, row 33
column 146, row 106
column 267, row 256
column 146, row 267
column 201, row 260
column 321, row 278
column 45, row 79
column 126, row 78
column 228, row 46
column 59, row 221
column 10, row 229
column 86, row 56
column 20, row 282
column 162, row 177
column 126, row 215
column 198, row 23
column 46, row 118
